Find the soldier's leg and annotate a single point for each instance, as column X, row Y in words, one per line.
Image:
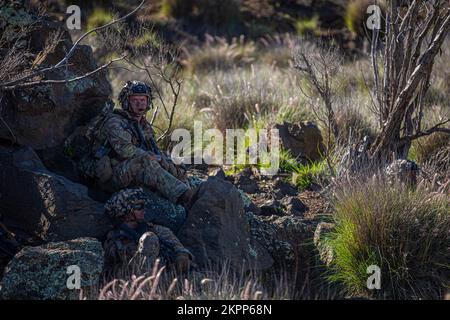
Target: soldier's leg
column 117, row 253
column 143, row 170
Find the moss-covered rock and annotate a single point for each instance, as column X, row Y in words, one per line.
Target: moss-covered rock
column 42, row 272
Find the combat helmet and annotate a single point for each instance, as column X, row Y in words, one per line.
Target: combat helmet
column 123, row 201
column 135, row 87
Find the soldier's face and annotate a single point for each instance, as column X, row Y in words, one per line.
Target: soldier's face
column 139, row 214
column 138, row 104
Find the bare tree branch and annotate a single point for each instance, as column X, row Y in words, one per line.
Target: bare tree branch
column 64, row 61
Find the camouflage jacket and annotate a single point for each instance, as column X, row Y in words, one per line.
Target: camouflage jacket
column 122, row 137
column 122, row 242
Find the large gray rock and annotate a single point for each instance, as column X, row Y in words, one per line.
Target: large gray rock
column 42, row 117
column 43, row 272
column 44, row 204
column 216, row 230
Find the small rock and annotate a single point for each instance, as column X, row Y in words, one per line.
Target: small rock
column 283, row 188
column 294, row 206
column 246, row 181
column 270, row 207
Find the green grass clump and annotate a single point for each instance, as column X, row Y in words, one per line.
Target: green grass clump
column 98, row 17
column 307, row 25
column 404, row 232
column 305, row 175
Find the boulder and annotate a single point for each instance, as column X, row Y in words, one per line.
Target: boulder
column 42, row 117
column 303, row 140
column 161, row 211
column 216, row 230
column 44, row 204
column 43, row 272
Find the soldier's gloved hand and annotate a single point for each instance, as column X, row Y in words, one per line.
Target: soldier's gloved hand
column 164, row 163
column 182, row 262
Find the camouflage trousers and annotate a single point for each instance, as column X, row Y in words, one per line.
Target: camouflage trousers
column 143, row 171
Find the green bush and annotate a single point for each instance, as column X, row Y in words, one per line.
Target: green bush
column 305, row 175
column 404, row 232
column 307, row 25
column 98, row 17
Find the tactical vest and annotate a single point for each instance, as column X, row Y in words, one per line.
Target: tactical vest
column 99, row 158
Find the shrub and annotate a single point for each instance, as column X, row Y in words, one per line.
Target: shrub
column 306, row 175
column 307, row 25
column 277, row 49
column 219, row 54
column 405, row 232
column 236, row 97
column 98, row 17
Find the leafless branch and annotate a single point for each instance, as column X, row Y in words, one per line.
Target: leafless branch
column 412, row 41
column 21, row 82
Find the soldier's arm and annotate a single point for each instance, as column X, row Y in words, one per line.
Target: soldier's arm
column 120, row 139
column 169, row 241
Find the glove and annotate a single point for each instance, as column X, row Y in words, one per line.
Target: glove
column 182, row 262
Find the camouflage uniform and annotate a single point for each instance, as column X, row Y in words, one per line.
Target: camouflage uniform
column 142, row 246
column 130, row 157
column 137, row 247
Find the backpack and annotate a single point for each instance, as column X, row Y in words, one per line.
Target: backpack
column 81, row 144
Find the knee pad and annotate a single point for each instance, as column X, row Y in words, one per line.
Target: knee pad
column 149, row 245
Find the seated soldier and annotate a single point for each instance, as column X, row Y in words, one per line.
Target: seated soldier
column 127, row 140
column 135, row 243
